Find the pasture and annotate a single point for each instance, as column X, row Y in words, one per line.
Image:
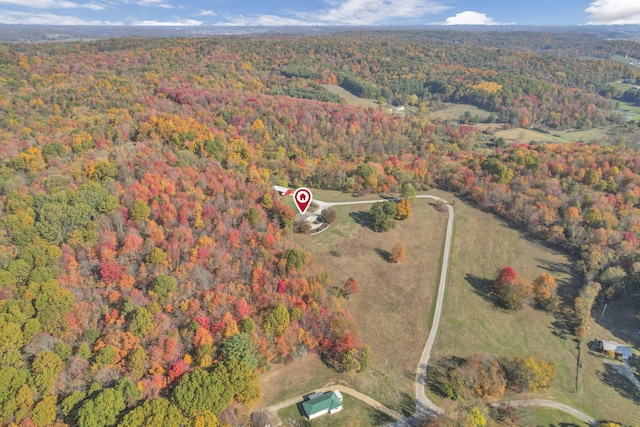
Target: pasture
column 454, row 111
column 393, row 309
column 391, row 312
column 527, row 135
column 472, row 323
column 546, row 417
column 350, row 98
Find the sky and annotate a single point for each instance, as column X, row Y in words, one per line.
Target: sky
column 319, row 12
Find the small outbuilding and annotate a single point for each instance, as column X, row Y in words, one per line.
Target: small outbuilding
column 619, row 350
column 317, row 404
column 283, row 191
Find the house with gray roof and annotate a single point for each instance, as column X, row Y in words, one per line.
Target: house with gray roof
column 618, row 350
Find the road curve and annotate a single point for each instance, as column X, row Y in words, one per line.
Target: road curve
column 345, row 390
column 424, row 405
column 554, row 405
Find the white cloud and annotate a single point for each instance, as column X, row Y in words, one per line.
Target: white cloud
column 154, row 3
column 13, row 17
column 349, row 12
column 51, row 4
column 93, row 6
column 470, row 18
column 176, row 23
column 372, row 12
column 203, row 12
column 614, row 12
column 262, row 20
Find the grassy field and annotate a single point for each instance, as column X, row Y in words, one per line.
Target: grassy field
column 390, row 312
column 625, row 59
column 527, row 135
column 350, row 98
column 573, row 135
column 545, row 417
column 354, row 413
column 559, row 136
column 621, row 86
column 471, row 323
column 336, row 196
column 630, row 111
column 619, row 399
column 454, row 111
column 490, row 127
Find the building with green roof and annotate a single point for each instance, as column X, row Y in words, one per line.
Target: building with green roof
column 317, row 404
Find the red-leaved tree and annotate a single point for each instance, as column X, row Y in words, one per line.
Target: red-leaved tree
column 110, row 272
column 351, row 287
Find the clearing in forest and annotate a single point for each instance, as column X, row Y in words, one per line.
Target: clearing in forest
column 454, row 111
column 350, row 98
column 391, row 311
column 527, row 135
column 472, row 323
column 603, row 133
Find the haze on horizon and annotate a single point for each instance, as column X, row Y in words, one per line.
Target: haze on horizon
column 319, row 12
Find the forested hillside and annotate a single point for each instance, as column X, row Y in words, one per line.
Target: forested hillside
column 144, row 255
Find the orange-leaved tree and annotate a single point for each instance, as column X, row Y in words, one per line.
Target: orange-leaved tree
column 398, row 252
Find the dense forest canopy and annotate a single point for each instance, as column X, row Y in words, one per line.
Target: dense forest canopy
column 143, row 254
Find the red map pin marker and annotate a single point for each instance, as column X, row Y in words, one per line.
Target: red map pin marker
column 302, row 197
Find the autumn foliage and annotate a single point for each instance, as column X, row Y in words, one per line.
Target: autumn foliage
column 351, row 287
column 140, row 229
column 404, row 209
column 398, row 252
column 544, row 291
column 486, row 376
column 511, row 291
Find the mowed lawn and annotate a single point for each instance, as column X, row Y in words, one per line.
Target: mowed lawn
column 545, row 417
column 471, row 322
column 391, row 312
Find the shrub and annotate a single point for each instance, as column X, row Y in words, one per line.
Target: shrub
column 398, row 252
column 328, row 215
column 302, row 226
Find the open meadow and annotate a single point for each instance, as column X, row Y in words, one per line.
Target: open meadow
column 472, row 323
column 625, row 60
column 545, row 417
column 629, row 110
column 393, row 308
column 391, row 311
column 527, row 135
column 350, row 98
column 603, row 133
column 454, row 111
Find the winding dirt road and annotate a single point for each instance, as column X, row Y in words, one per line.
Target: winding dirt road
column 555, row 405
column 424, row 405
column 345, row 390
